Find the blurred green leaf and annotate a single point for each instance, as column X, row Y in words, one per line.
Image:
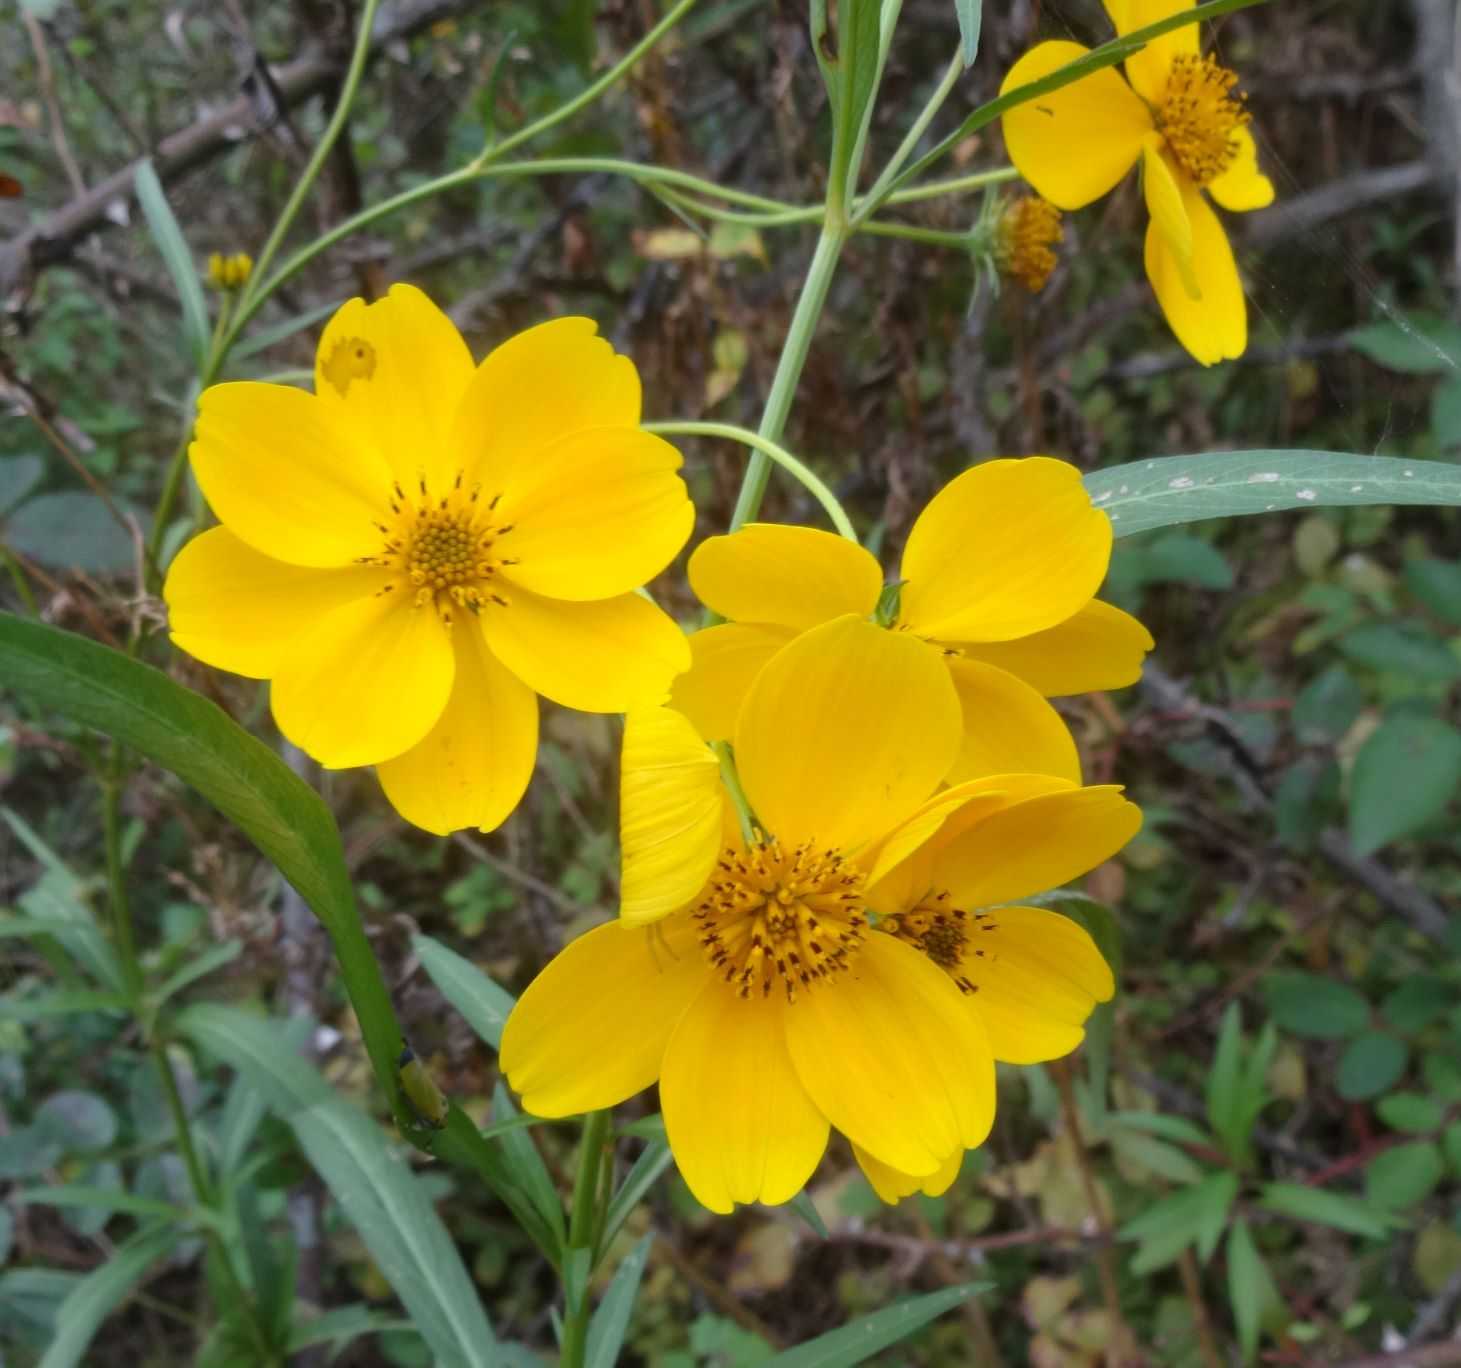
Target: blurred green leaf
column 1315, row 1008
column 80, row 1122
column 1167, row 1161
column 611, row 1320
column 971, row 19
column 72, row 529
column 1370, row 1065
column 481, row 1002
column 1446, row 413
column 1411, row 1112
column 1403, row 778
column 865, row 1336
column 100, row 1292
column 1326, row 707
column 1222, row 484
column 1193, row 1215
column 1418, row 1001
column 653, row 1160
column 18, row 476
column 1420, row 344
column 1252, row 1292
column 1451, row 1143
column 1437, row 584
column 1326, row 1208
column 1305, row 800
column 1181, row 558
column 1401, row 649
column 1403, row 1175
column 173, row 248
column 381, row 1196
column 1176, row 1128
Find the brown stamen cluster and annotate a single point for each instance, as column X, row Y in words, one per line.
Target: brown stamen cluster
column 941, row 931
column 443, row 549
column 1024, row 244
column 1199, row 115
column 772, row 915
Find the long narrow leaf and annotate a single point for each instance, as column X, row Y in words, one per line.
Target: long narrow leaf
column 1169, row 490
column 971, row 20
column 653, row 1160
column 100, row 1292
column 868, row 1334
column 173, row 248
column 375, row 1189
column 610, row 1322
column 238, row 774
column 484, row 1005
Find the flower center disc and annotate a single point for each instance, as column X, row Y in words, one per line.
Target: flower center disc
column 443, row 549
column 941, row 931
column 771, row 915
column 1025, row 239
column 1199, row 115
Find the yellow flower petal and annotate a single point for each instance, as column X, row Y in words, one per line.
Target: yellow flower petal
column 1213, row 327
column 570, row 1045
column 820, row 759
column 1073, row 144
column 1099, row 647
column 278, row 475
column 1038, row 976
column 794, row 576
column 607, row 656
column 473, row 766
column 1147, row 69
column 739, row 1121
column 894, row 1058
column 601, row 512
column 1035, row 845
column 1242, row 186
column 725, row 661
column 669, row 814
column 390, row 375
column 1007, row 548
column 1159, row 183
column 238, row 610
column 366, row 684
column 1008, row 727
column 892, row 1186
column 535, row 388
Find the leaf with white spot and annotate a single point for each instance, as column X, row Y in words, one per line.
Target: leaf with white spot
column 1168, row 490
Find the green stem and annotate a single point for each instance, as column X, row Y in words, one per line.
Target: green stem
column 317, row 157
column 789, row 369
column 975, row 180
column 17, row 577
column 874, row 197
column 934, row 237
column 583, row 1232
column 111, row 821
column 775, row 452
column 732, row 781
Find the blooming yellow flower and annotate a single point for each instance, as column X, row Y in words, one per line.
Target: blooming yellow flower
column 418, row 548
column 998, row 579
column 1180, row 118
column 744, row 973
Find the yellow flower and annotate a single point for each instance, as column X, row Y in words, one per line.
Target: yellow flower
column 1024, row 241
column 417, row 549
column 745, row 974
column 998, row 579
column 229, row 272
column 1180, row 118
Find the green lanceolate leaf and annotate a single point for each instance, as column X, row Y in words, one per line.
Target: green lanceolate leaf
column 1251, row 1289
column 1169, row 490
column 173, row 248
column 484, row 1005
column 610, row 1322
column 1327, row 1208
column 378, row 1192
column 252, row 787
column 99, row 1293
column 971, row 19
column 1403, row 779
column 864, row 1337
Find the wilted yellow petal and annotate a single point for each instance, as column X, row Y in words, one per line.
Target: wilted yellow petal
column 1213, row 327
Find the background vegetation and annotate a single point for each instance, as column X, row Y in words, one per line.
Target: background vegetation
column 1259, row 1149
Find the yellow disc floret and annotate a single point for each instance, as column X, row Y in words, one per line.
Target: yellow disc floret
column 443, row 549
column 1199, row 115
column 942, row 932
column 1024, row 241
column 771, row 915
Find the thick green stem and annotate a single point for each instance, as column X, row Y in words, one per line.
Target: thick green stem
column 583, row 1232
column 777, row 453
column 789, row 369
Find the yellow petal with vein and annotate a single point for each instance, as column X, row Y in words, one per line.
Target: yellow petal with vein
column 1009, row 728
column 845, row 731
column 669, row 814
column 1007, row 548
column 1242, row 186
column 725, row 661
column 1148, row 69
column 1159, row 183
column 570, row 1046
column 892, row 1186
column 1213, row 327
column 793, row 576
column 739, row 1121
column 1073, row 144
column 1099, row 647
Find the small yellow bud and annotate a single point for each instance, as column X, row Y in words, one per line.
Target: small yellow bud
column 229, row 272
